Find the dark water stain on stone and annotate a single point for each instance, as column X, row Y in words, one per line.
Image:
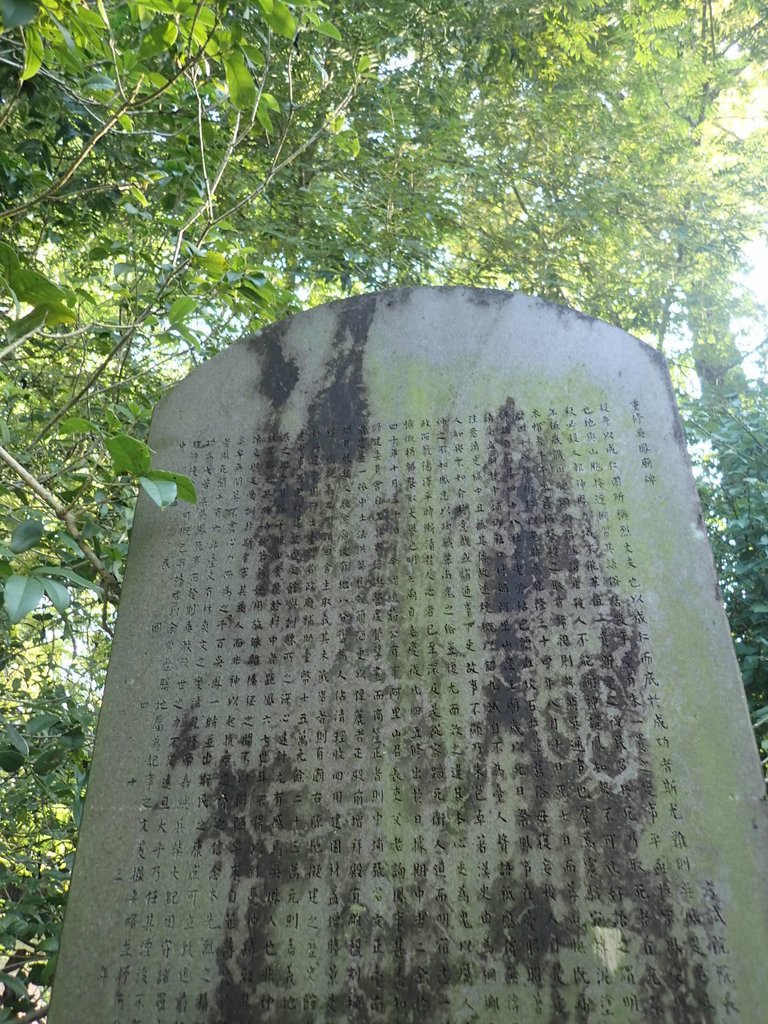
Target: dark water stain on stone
column 300, row 480
column 339, row 413
column 231, row 844
column 334, row 438
column 279, row 373
column 249, row 837
column 388, row 957
column 604, row 777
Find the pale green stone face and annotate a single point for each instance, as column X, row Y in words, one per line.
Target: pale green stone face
column 428, row 710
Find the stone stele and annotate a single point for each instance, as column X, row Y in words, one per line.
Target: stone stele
column 427, row 710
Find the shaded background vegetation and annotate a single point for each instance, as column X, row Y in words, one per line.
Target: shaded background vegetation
column 174, row 173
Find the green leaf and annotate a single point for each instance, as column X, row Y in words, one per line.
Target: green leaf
column 170, row 33
column 72, row 739
column 242, row 88
column 48, row 313
column 263, row 117
column 348, row 142
column 363, row 64
column 328, row 29
column 91, row 18
column 10, row 761
column 51, row 757
column 21, row 596
column 14, row 984
column 140, row 198
column 26, row 325
column 17, row 740
column 203, row 34
column 36, row 289
column 181, row 308
column 26, row 535
column 214, row 263
column 255, row 58
column 155, row 42
column 281, row 20
column 18, row 12
column 160, row 6
column 185, row 489
column 57, row 313
column 33, row 53
column 101, row 83
column 68, row 574
column 58, row 594
column 123, row 269
column 41, row 723
column 9, row 261
column 76, row 425
column 188, row 335
column 162, row 492
column 129, row 455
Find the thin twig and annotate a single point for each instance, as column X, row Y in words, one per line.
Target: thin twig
column 131, row 104
column 11, row 103
column 34, row 1015
column 82, row 156
column 86, row 387
column 195, row 16
column 14, row 345
column 743, row 425
column 210, row 188
column 67, row 518
column 201, row 138
column 237, row 139
column 277, row 167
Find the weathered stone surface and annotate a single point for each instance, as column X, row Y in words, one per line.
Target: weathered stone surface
column 428, row 711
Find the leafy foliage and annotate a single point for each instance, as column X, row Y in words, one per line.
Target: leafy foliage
column 47, row 718
column 174, row 173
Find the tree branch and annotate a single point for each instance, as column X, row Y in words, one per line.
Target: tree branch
column 84, row 389
column 111, row 587
column 15, row 344
column 85, row 152
column 130, row 104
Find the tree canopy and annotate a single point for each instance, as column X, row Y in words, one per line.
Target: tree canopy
column 174, row 173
